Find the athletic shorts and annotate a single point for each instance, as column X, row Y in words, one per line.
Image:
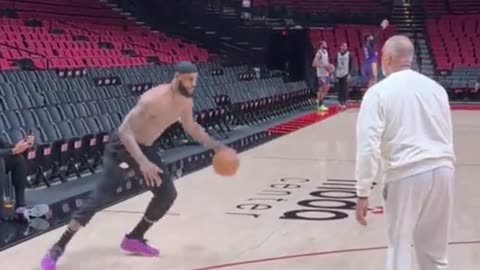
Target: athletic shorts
column 117, row 153
column 367, row 70
column 323, row 80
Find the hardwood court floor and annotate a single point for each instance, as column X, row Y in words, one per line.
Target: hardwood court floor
column 290, row 207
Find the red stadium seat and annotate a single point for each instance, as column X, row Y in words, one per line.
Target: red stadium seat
column 90, row 23
column 453, row 41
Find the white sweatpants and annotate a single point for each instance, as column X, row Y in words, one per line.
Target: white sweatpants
column 418, row 210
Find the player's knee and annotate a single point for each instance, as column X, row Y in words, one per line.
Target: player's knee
column 160, row 208
column 166, row 196
column 161, row 203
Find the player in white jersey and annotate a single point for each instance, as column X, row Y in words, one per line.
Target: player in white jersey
column 324, row 69
column 404, row 137
column 343, row 71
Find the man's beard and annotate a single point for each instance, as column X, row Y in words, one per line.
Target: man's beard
column 183, row 91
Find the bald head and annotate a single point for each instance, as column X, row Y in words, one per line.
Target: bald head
column 398, row 53
column 399, row 47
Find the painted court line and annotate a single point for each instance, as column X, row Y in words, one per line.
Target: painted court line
column 336, row 160
column 322, row 253
column 302, row 159
column 134, row 212
column 453, row 106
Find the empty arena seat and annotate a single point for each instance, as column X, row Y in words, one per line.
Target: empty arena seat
column 73, row 118
column 453, row 41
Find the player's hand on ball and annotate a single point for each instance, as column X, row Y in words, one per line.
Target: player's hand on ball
column 362, row 210
column 151, row 173
column 220, row 147
column 331, row 68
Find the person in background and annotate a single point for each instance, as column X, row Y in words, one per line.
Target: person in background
column 12, row 161
column 344, row 65
column 369, row 67
column 476, row 87
column 324, row 71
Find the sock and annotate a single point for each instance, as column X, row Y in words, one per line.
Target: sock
column 66, row 237
column 139, row 231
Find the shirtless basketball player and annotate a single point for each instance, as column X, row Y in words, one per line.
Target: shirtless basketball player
column 132, row 148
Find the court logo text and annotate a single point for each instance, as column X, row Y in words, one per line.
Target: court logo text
column 332, row 200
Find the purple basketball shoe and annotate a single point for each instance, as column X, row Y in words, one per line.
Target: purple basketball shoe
column 49, row 262
column 139, row 247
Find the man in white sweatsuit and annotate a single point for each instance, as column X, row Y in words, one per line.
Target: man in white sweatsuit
column 404, row 137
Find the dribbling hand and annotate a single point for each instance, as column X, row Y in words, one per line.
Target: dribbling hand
column 151, row 174
column 220, row 147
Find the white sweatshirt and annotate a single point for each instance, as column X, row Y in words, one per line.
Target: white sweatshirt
column 404, row 127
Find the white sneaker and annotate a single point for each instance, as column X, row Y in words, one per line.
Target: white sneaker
column 39, row 210
column 36, row 211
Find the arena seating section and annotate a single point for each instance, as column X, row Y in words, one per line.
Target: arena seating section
column 87, row 34
column 72, row 114
column 453, row 33
column 72, row 117
column 453, row 41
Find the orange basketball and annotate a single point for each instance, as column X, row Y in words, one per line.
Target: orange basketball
column 225, row 162
column 330, row 68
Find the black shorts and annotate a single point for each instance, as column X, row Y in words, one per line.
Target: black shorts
column 116, row 152
column 118, row 167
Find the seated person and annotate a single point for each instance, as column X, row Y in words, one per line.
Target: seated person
column 12, row 161
column 474, row 90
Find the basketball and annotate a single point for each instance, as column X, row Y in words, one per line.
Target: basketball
column 225, row 162
column 330, row 68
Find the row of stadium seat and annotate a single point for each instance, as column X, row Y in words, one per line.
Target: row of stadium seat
column 453, row 41
column 72, row 118
column 37, row 33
